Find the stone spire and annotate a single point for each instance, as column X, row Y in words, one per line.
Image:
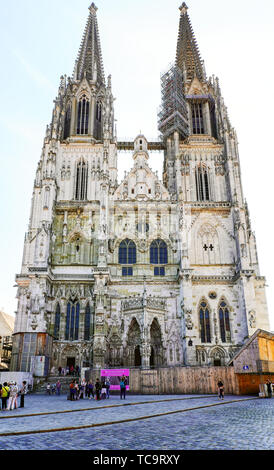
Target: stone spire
column 188, row 56
column 89, row 62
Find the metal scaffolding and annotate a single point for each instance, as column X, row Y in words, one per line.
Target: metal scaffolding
column 173, row 114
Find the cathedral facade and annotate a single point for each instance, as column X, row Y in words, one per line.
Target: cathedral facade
column 147, row 272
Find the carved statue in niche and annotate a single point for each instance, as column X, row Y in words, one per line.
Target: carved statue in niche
column 252, row 318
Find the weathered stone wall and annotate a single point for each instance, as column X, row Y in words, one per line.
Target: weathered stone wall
column 179, row 380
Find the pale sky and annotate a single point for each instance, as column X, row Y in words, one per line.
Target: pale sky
column 39, row 43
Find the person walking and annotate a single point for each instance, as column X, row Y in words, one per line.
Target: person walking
column 72, row 391
column 221, row 390
column 5, row 395
column 90, row 390
column 12, row 402
column 107, row 386
column 23, row 392
column 58, row 387
column 98, row 389
column 123, row 384
column 48, row 389
column 269, row 388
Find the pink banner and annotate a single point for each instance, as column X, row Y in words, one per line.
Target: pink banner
column 115, row 376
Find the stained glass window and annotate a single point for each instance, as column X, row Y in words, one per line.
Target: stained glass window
column 224, row 322
column 204, row 322
column 158, row 252
column 127, row 252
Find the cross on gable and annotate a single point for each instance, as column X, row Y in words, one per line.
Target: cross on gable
column 210, row 247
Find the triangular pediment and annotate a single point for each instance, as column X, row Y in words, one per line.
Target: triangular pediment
column 141, row 183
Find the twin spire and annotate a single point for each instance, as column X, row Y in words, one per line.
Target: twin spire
column 188, row 57
column 89, row 62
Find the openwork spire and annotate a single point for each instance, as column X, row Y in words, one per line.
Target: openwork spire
column 89, row 62
column 188, row 56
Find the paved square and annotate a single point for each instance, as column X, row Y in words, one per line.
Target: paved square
column 189, row 422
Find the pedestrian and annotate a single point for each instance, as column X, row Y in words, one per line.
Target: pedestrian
column 90, row 390
column 107, row 386
column 48, row 389
column 104, row 392
column 23, row 392
column 77, row 391
column 12, row 401
column 72, row 391
column 269, row 388
column 53, row 389
column 123, row 384
column 58, row 387
column 220, row 390
column 5, row 395
column 60, row 370
column 98, row 389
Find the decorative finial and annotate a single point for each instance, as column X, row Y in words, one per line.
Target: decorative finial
column 93, row 8
column 183, row 8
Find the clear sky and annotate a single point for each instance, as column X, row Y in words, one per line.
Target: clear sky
column 40, row 41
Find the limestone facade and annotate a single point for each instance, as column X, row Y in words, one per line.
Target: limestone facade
column 146, row 272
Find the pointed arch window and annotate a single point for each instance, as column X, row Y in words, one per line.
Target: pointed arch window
column 83, row 116
column 224, row 322
column 197, row 118
column 81, row 181
column 57, row 322
column 89, row 324
column 202, row 183
column 72, row 321
column 127, row 252
column 204, row 322
column 158, row 255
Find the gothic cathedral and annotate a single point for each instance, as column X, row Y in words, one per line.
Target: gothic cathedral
column 148, row 272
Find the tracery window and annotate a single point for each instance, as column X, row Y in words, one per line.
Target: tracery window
column 57, row 322
column 202, row 183
column 204, row 322
column 81, row 181
column 197, row 118
column 72, row 321
column 224, row 322
column 127, row 252
column 158, row 255
column 83, row 116
column 89, row 323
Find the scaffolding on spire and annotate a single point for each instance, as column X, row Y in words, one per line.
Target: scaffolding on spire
column 173, row 114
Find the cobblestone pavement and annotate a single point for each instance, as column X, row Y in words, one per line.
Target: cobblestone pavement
column 244, row 425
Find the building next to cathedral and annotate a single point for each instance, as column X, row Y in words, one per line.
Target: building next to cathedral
column 147, row 272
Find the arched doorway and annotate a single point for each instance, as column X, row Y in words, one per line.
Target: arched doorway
column 137, row 356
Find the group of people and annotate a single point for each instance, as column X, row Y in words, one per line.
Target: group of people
column 69, row 370
column 54, row 389
column 99, row 390
column 9, row 393
column 86, row 389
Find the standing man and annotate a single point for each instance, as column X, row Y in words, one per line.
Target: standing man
column 23, row 392
column 123, row 384
column 98, row 389
column 4, row 396
column 269, row 388
column 108, row 386
column 221, row 390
